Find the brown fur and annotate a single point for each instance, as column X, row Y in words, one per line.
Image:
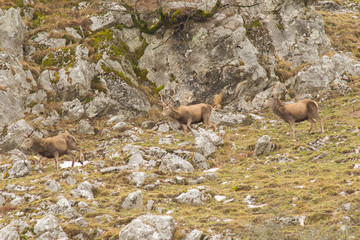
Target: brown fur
column 53, row 147
column 291, row 113
column 187, row 115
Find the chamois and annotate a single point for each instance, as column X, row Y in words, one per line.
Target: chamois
column 291, row 113
column 187, row 115
column 53, row 147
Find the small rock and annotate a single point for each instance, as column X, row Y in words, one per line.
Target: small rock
column 133, row 200
column 192, row 197
column 263, row 146
column 194, row 235
column 149, row 227
column 52, row 186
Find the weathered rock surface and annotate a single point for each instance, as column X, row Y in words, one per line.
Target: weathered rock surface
column 134, row 200
column 263, row 146
column 12, row 32
column 192, row 197
column 172, row 162
column 149, row 227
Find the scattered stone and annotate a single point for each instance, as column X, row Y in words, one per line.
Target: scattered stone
column 263, row 146
column 52, row 186
column 47, row 223
column 204, row 146
column 84, row 190
column 149, row 227
column 85, row 128
column 172, row 162
column 102, row 21
column 211, row 176
column 73, row 110
column 219, row 198
column 9, row 233
column 200, row 161
column 192, row 197
column 120, row 126
column 148, row 124
column 138, row 178
column 194, row 235
column 164, row 128
column 133, row 200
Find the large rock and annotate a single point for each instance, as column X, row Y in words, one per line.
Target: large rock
column 48, row 228
column 16, row 133
column 99, row 22
column 322, row 73
column 172, row 162
column 84, row 189
column 123, row 87
column 9, row 233
column 12, row 32
column 71, row 81
column 47, row 223
column 149, row 227
column 73, row 110
column 16, row 83
column 235, row 54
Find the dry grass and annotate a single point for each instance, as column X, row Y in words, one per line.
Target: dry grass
column 343, row 31
column 284, row 70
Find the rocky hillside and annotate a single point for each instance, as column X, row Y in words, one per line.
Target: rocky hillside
column 95, row 68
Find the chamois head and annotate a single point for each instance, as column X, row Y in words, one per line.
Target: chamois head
column 168, row 109
column 274, row 98
column 28, row 142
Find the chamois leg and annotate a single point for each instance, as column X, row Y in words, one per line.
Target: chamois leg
column 312, row 125
column 321, row 124
column 184, row 127
column 40, row 166
column 206, row 117
column 56, row 156
column 292, row 129
column 70, row 153
column 188, row 125
column 213, row 125
column 317, row 117
column 81, row 157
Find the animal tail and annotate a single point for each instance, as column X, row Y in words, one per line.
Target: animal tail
column 218, row 99
column 312, row 108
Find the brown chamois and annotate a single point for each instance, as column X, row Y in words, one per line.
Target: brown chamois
column 53, row 147
column 291, row 113
column 187, row 115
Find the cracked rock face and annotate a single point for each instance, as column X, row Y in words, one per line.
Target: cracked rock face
column 226, row 53
column 12, row 32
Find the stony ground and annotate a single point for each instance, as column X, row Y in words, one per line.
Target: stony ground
column 304, row 189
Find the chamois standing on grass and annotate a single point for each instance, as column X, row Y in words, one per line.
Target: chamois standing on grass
column 53, row 147
column 291, row 113
column 187, row 115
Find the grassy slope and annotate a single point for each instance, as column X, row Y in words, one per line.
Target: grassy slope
column 316, row 189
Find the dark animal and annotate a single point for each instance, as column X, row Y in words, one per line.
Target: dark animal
column 187, row 115
column 53, row 147
column 291, row 113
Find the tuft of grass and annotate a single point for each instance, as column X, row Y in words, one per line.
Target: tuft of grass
column 343, row 30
